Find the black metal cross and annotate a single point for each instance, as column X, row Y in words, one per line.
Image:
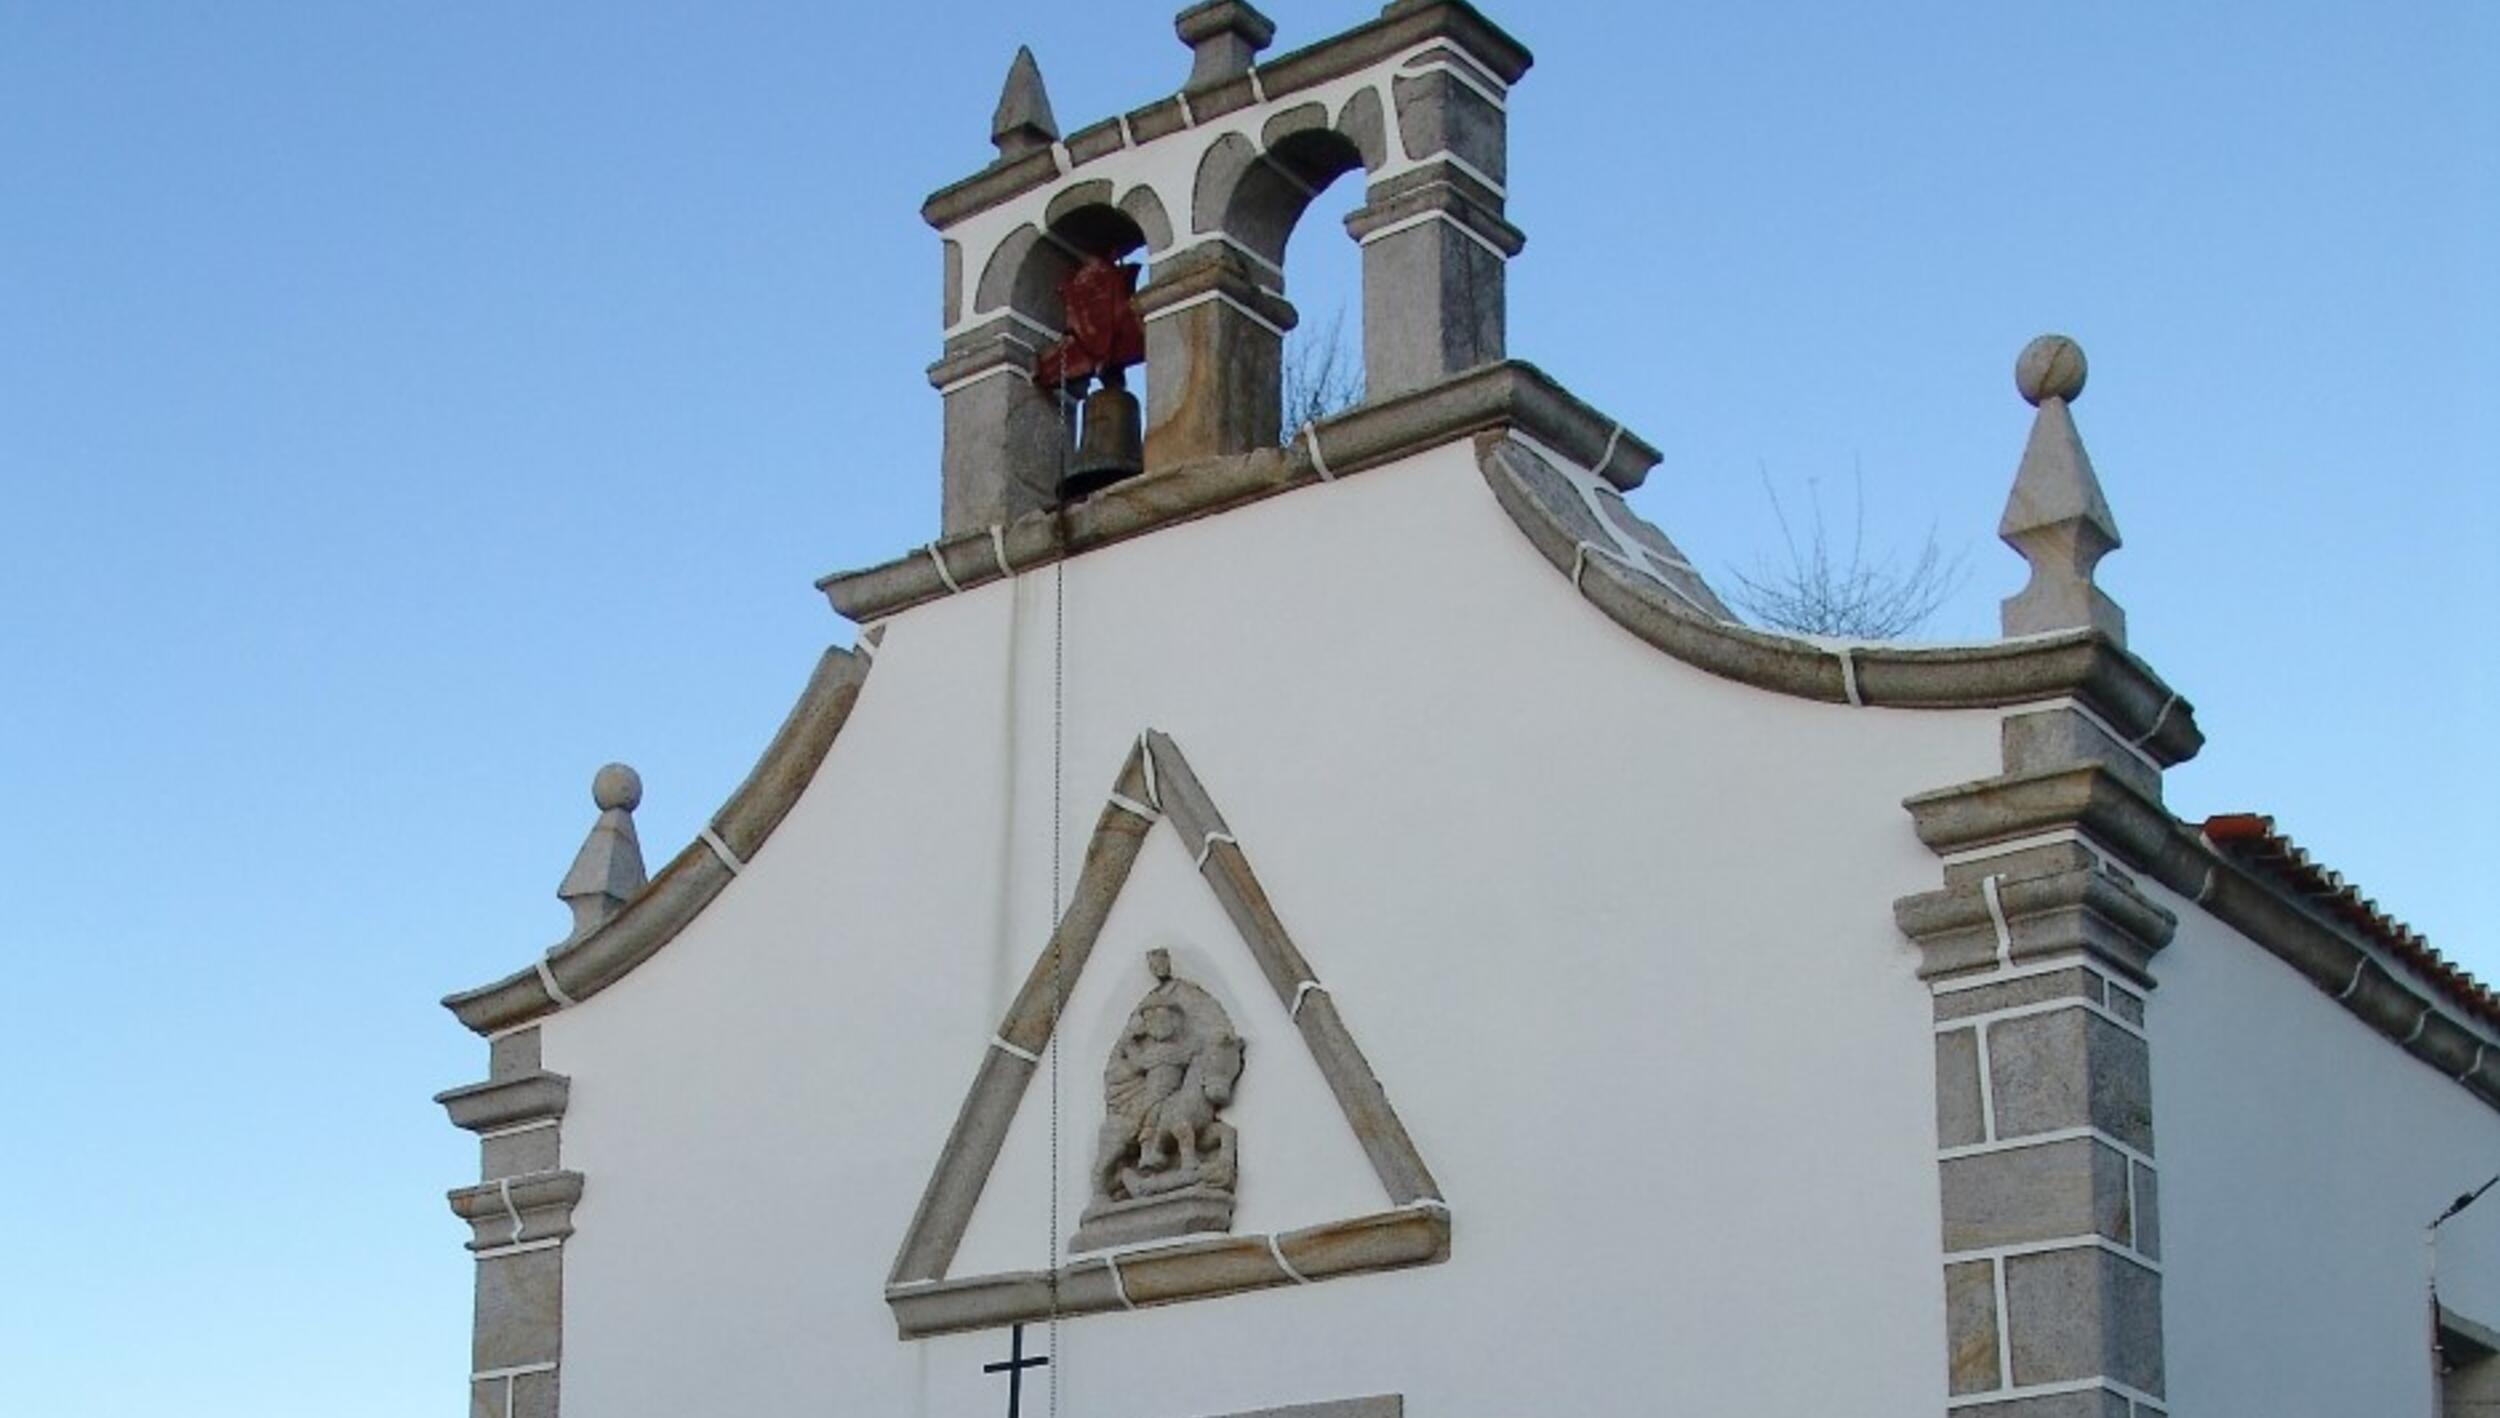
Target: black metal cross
column 1013, row 1366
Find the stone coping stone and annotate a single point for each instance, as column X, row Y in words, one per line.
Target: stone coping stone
column 1505, row 394
column 1189, row 1270
column 694, row 876
column 1402, row 26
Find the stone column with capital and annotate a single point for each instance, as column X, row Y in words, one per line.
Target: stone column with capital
column 2040, row 952
column 1007, row 441
column 1215, row 348
column 1436, row 247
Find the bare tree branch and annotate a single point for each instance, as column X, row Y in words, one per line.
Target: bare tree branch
column 1322, row 377
column 1821, row 591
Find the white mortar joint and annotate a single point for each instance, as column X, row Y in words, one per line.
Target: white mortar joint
column 1207, row 843
column 721, row 850
column 1996, row 915
column 547, row 981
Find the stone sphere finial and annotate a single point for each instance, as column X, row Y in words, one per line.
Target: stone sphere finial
column 616, row 786
column 2050, row 367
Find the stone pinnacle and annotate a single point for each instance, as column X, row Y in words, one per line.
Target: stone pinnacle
column 607, row 872
column 1023, row 123
column 2056, row 516
column 1224, row 39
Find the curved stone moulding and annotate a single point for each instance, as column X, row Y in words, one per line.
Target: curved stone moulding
column 695, row 875
column 2084, row 664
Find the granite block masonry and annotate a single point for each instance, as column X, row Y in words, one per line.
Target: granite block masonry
column 2039, row 953
column 521, row 1210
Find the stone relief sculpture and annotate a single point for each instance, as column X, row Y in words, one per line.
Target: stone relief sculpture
column 1164, row 1163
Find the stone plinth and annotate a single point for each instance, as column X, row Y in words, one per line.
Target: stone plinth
column 1185, row 1212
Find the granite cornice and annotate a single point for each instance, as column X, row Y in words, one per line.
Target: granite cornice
column 674, row 897
column 2026, row 918
column 2087, row 796
column 1508, row 394
column 536, row 1096
column 512, row 1211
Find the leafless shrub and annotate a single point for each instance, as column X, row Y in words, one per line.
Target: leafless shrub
column 1834, row 590
column 1322, row 376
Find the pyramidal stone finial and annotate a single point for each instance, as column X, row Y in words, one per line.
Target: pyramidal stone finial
column 2056, row 516
column 608, row 870
column 1023, row 123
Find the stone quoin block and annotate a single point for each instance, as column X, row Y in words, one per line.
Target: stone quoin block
column 512, row 1055
column 520, row 1310
column 518, row 1154
column 1959, row 1106
column 2082, row 1314
column 2126, row 1004
column 2077, row 983
column 2075, row 1187
column 2145, row 1213
column 1970, row 1325
column 2071, row 1068
column 1439, row 113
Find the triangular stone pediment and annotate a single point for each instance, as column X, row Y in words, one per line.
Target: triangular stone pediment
column 1156, row 786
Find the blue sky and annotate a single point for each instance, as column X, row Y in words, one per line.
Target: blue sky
column 407, row 407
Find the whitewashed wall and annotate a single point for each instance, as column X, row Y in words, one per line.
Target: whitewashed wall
column 2302, row 1156
column 1615, row 934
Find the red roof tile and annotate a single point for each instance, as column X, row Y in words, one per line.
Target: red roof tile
column 2250, row 839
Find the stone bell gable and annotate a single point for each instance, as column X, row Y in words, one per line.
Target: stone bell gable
column 1206, row 186
column 1794, row 1024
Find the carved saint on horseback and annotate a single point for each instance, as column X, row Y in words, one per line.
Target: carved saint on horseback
column 1173, row 1069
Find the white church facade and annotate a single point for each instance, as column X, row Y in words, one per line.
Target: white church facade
column 1344, row 921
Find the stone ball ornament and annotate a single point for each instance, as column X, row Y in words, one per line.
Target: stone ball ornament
column 616, row 786
column 2050, row 367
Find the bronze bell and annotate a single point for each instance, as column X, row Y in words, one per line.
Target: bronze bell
column 1113, row 444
